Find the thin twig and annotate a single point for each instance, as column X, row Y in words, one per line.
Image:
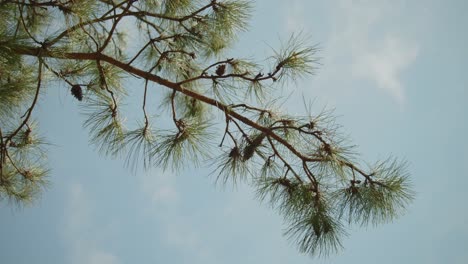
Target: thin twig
column 30, row 109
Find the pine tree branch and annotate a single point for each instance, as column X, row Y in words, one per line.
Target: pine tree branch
column 33, row 104
column 27, row 50
column 114, row 26
column 179, row 35
column 144, row 106
column 95, row 56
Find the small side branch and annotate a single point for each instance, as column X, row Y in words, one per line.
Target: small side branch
column 31, row 108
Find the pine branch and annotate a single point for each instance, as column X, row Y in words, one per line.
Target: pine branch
column 300, row 165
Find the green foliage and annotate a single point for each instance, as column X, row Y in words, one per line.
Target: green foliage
column 231, row 167
column 104, row 122
column 23, row 167
column 189, row 144
column 16, row 87
column 300, row 165
column 295, row 58
column 140, row 143
column 378, row 199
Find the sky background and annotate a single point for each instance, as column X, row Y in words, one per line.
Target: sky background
column 396, row 74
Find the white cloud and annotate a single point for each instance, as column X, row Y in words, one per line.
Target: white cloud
column 160, row 187
column 175, row 228
column 365, row 43
column 294, row 20
column 77, row 213
column 384, row 65
column 100, row 257
column 363, row 33
column 77, row 226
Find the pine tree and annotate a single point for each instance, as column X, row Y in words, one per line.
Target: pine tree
column 301, row 165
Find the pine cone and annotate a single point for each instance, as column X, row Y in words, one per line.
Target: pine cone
column 77, row 92
column 221, row 69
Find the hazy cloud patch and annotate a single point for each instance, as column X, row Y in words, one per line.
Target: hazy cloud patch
column 384, row 64
column 364, row 41
column 80, row 232
column 376, row 55
column 159, row 187
column 174, row 225
column 294, row 21
column 100, row 257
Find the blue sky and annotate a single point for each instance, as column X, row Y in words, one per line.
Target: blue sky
column 395, row 72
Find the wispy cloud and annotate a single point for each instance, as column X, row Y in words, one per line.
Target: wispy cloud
column 78, row 223
column 166, row 202
column 294, row 18
column 160, row 187
column 384, row 64
column 100, row 257
column 376, row 55
column 365, row 43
